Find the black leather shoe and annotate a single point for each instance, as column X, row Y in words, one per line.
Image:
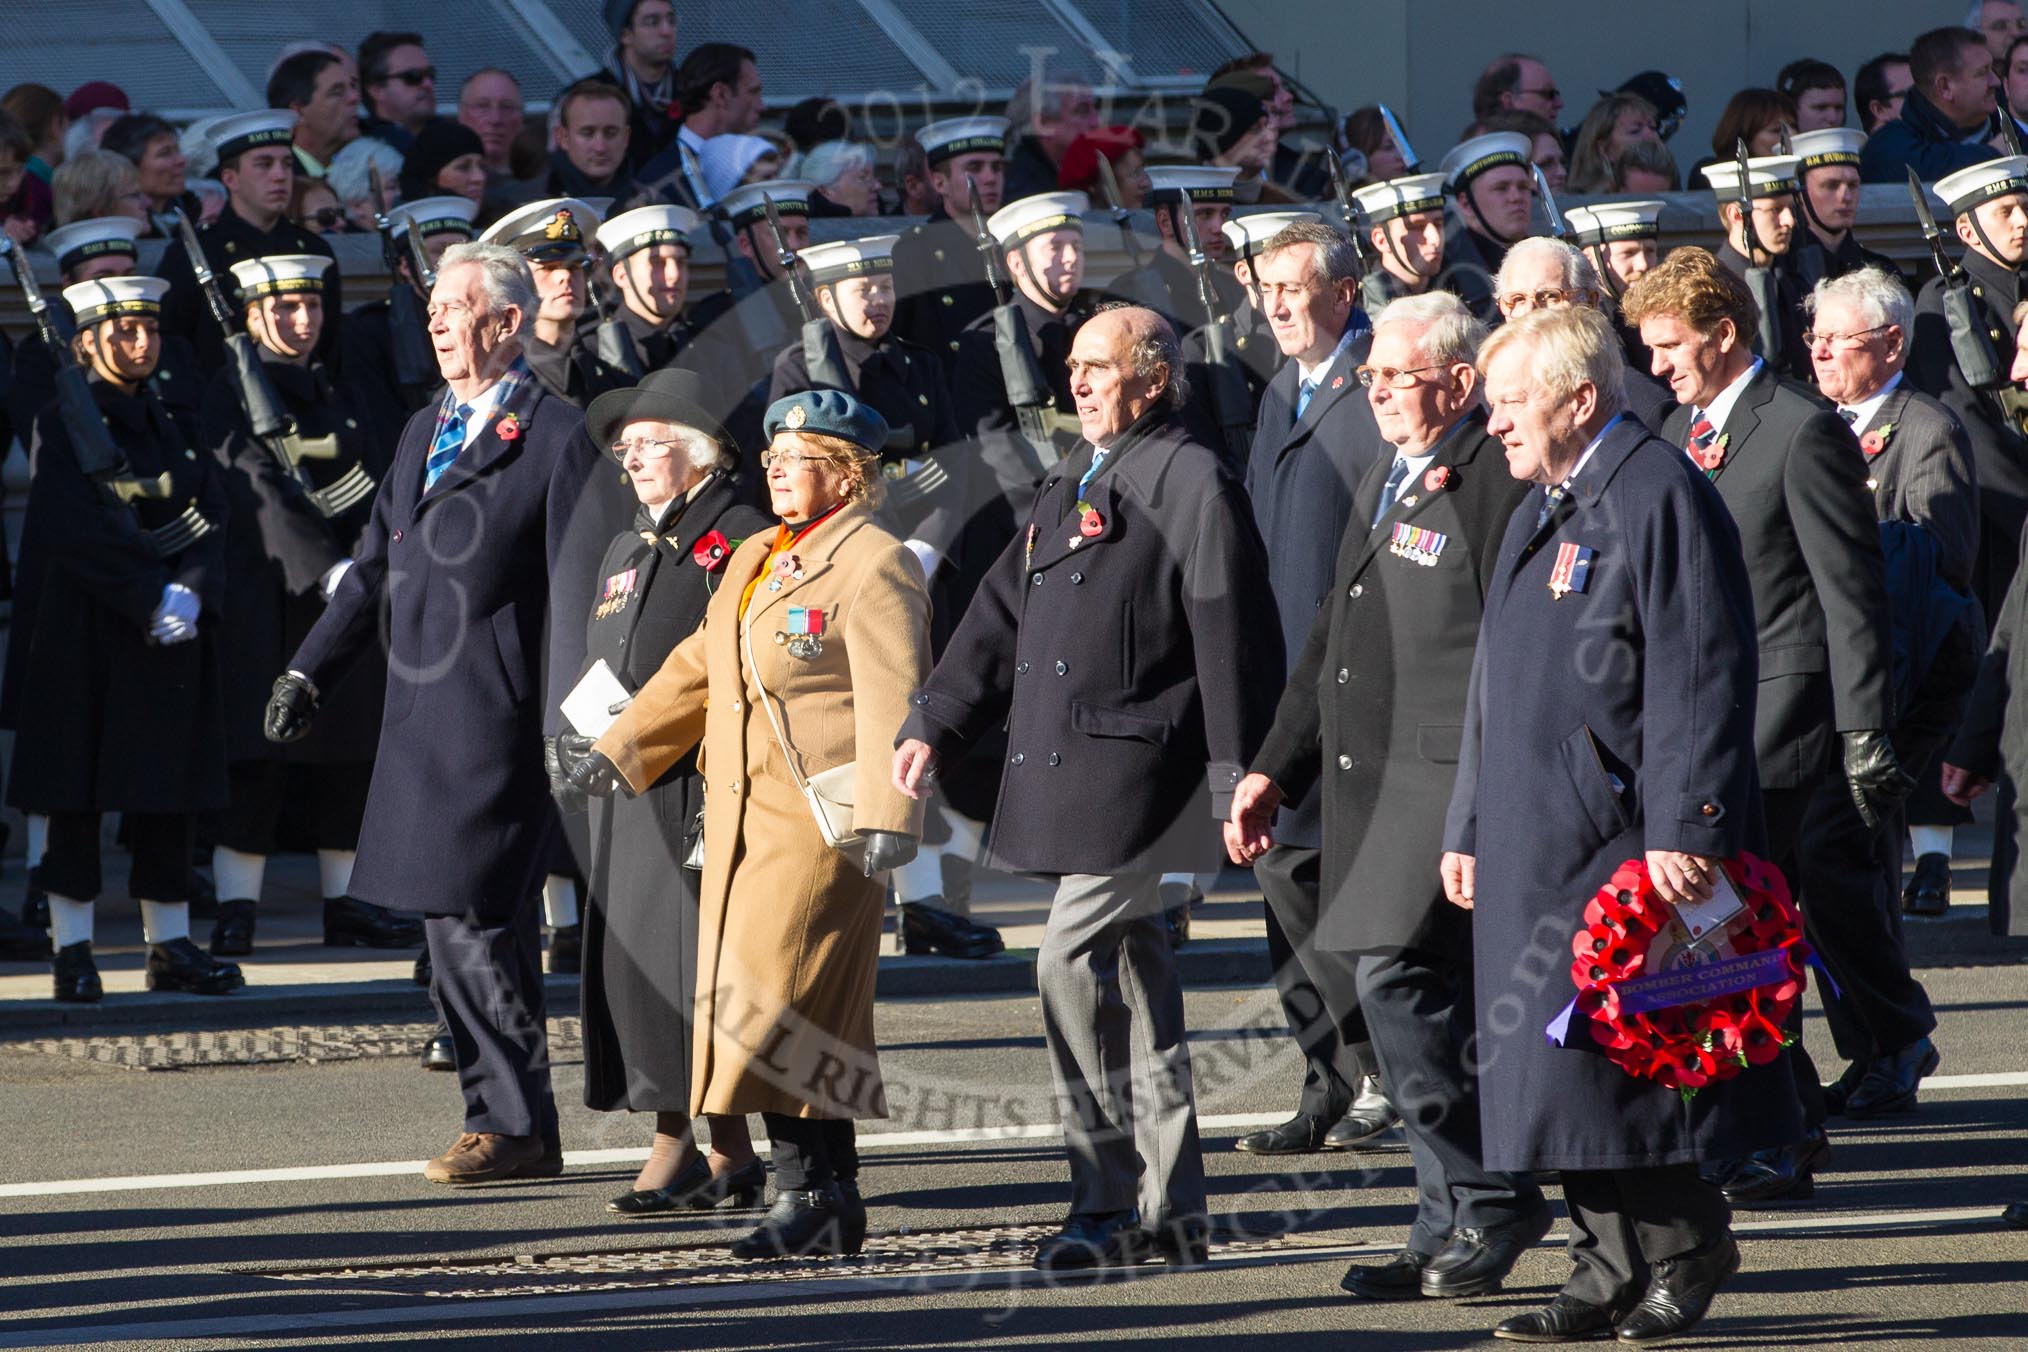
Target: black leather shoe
column 1095, row 1242
column 20, row 942
column 203, row 897
column 1300, row 1135
column 1838, row 1091
column 696, row 1189
column 851, row 1216
column 566, row 950
column 35, row 908
column 1185, row 1243
column 1782, row 1173
column 927, row 929
column 1563, row 1320
column 1477, row 1261
column 1399, row 1278
column 351, row 923
column 1365, row 1122
column 440, row 1053
column 180, row 965
column 1679, row 1293
column 2016, row 1215
column 1891, row 1082
column 806, row 1224
column 77, row 976
column 1929, row 890
column 423, row 973
column 232, row 933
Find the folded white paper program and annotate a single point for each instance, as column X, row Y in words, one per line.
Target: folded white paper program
column 594, row 702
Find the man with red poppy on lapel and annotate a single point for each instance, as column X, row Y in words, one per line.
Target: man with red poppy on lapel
column 1365, row 748
column 1126, row 641
column 473, row 527
column 1610, row 718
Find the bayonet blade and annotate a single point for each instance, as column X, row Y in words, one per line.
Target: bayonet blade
column 1410, row 163
column 1752, row 236
column 1922, row 211
column 1557, row 228
column 1186, row 218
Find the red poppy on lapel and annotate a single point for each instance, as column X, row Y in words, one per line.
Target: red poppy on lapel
column 1091, row 523
column 710, row 551
column 509, row 427
column 1437, row 479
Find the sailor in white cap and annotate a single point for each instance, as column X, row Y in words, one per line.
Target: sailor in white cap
column 940, row 280
column 257, row 167
column 1827, row 172
column 1405, row 231
column 648, row 252
column 295, row 530
column 1989, row 202
column 553, row 236
column 1622, row 241
column 1760, row 258
column 1165, row 283
column 368, row 365
column 128, row 661
column 1493, row 186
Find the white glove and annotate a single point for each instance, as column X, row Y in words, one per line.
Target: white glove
column 926, row 554
column 328, row 584
column 175, row 619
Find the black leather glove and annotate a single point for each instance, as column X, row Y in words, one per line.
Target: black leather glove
column 886, row 850
column 1874, row 775
column 583, row 770
column 290, row 708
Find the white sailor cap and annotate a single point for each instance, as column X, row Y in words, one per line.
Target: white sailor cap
column 1402, row 196
column 1018, row 222
column 1767, row 176
column 1609, row 221
column 1206, row 183
column 1825, row 147
column 644, row 227
column 81, row 241
column 107, row 297
column 1257, row 228
column 744, row 205
column 836, row 261
column 955, row 136
column 242, row 132
column 1969, row 188
column 1483, row 154
column 450, row 215
column 279, row 274
column 550, row 231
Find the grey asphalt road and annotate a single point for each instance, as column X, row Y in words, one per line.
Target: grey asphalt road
column 1900, row 1247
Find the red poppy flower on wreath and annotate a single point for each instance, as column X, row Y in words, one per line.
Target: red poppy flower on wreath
column 1437, row 479
column 710, row 552
column 509, row 428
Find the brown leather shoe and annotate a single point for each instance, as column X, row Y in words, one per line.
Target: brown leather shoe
column 488, row 1157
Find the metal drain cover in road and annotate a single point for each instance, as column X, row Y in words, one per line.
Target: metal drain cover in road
column 901, row 1255
column 271, row 1046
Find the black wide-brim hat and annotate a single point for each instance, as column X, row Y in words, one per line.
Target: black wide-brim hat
column 675, row 396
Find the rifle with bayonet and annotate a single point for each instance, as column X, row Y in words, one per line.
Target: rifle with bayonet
column 415, row 363
column 1230, row 402
column 1760, row 277
column 1806, row 251
column 821, row 357
column 1971, row 345
column 1410, row 164
column 1110, row 186
column 1557, row 227
column 614, row 348
column 91, row 442
column 1028, row 392
column 1348, row 207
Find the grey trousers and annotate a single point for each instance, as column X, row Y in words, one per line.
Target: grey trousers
column 1112, row 1017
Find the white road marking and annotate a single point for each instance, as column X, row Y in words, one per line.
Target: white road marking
column 880, row 1140
column 523, row 1309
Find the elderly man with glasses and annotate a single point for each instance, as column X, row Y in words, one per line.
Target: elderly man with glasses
column 1548, row 274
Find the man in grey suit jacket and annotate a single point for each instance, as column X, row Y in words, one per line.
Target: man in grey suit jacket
column 1313, row 441
column 1793, row 480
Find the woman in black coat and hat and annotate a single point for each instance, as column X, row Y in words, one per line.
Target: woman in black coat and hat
column 640, row 930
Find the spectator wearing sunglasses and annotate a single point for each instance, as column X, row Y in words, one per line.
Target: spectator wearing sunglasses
column 397, row 86
column 1516, row 81
column 315, row 207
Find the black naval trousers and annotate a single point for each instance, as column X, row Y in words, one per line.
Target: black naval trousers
column 488, row 988
column 1318, row 990
column 158, row 843
column 1623, row 1221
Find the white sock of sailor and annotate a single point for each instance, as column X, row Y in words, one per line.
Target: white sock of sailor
column 1930, row 840
column 559, row 901
column 36, row 841
column 237, row 874
column 70, row 922
column 334, row 872
column 164, row 922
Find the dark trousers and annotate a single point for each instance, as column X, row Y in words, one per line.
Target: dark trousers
column 1623, row 1221
column 812, row 1152
column 1784, row 811
column 276, row 804
column 1418, row 1009
column 488, row 988
column 1318, row 990
column 157, row 842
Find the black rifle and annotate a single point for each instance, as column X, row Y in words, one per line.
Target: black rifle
column 1028, row 393
column 761, row 324
column 1760, row 278
column 415, row 362
column 825, row 363
column 615, row 348
column 1348, row 207
column 1978, row 362
column 1230, row 403
column 90, row 441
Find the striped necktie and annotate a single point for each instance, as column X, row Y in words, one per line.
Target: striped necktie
column 1390, row 489
column 1304, row 392
column 1703, row 448
column 1552, row 498
column 450, row 440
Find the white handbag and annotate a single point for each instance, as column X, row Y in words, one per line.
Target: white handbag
column 828, row 792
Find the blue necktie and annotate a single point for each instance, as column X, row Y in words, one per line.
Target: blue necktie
column 1303, row 393
column 1389, row 490
column 1098, row 457
column 450, row 440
